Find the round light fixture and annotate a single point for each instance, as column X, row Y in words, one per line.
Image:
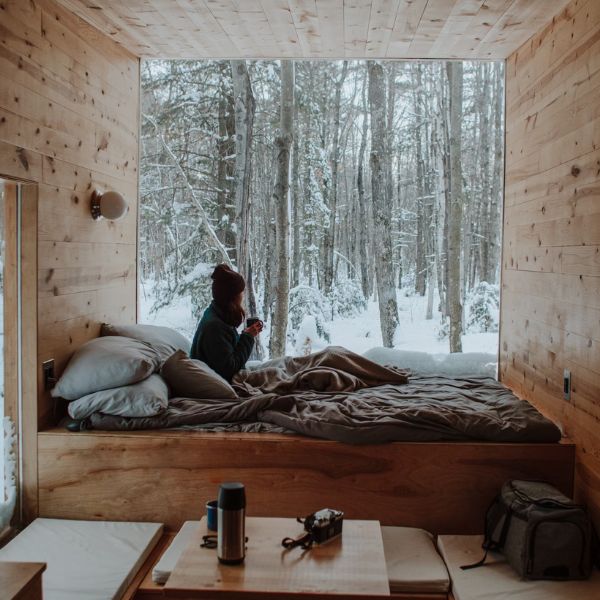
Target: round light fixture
column 108, row 205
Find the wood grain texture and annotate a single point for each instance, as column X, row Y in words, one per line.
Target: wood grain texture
column 168, row 476
column 21, row 581
column 69, row 123
column 485, row 29
column 551, row 264
column 352, row 565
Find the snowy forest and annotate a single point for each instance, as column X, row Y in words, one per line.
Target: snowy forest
column 361, row 200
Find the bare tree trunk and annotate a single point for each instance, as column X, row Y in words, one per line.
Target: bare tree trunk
column 430, row 290
column 440, row 205
column 363, row 242
column 330, row 241
column 421, row 266
column 455, row 80
column 297, row 205
column 225, row 164
column 386, row 290
column 491, row 268
column 281, row 200
column 244, row 123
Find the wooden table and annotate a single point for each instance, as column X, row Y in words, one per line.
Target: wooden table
column 352, row 565
column 21, row 581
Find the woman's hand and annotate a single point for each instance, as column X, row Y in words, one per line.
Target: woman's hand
column 254, row 329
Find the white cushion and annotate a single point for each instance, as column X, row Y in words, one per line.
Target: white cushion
column 104, row 363
column 164, row 567
column 87, row 560
column 497, row 581
column 163, row 339
column 143, row 399
column 413, row 564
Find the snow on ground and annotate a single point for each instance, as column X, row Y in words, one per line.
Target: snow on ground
column 358, row 334
column 415, row 333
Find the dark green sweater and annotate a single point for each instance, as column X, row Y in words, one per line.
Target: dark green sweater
column 219, row 345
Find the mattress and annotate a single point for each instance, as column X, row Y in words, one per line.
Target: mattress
column 86, row 560
column 425, row 409
column 497, row 581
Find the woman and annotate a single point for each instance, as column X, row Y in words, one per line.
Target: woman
column 217, row 341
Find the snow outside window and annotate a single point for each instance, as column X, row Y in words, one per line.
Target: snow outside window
column 374, row 248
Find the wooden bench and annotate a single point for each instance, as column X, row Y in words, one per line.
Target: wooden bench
column 167, row 476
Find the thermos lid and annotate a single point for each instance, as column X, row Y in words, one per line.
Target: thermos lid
column 232, row 496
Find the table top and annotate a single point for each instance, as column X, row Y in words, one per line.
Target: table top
column 350, row 565
column 15, row 576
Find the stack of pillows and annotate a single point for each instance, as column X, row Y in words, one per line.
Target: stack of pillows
column 133, row 370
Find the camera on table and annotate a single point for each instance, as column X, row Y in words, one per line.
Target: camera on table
column 324, row 525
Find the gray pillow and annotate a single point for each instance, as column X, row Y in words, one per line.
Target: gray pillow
column 163, row 339
column 190, row 378
column 104, row 363
column 144, row 399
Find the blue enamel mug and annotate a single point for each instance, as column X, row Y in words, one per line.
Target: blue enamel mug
column 211, row 515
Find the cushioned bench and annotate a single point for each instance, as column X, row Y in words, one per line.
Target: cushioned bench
column 414, row 566
column 86, row 560
column 497, row 581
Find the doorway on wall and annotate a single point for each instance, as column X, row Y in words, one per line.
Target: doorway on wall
column 18, row 241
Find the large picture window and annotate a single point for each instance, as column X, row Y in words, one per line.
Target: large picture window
column 10, row 199
column 360, row 199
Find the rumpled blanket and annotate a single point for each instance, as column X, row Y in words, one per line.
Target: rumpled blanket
column 334, row 369
column 338, row 395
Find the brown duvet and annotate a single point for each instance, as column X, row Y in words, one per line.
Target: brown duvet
column 339, row 395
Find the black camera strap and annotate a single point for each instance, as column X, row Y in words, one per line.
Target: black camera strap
column 305, row 541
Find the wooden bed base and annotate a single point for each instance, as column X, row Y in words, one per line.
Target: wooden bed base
column 168, row 476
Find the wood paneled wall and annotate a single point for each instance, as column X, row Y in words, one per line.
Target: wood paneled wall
column 551, row 256
column 69, row 100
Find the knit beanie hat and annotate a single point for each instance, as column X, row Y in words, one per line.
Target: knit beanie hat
column 226, row 285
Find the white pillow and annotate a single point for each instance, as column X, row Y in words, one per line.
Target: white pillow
column 145, row 399
column 104, row 363
column 163, row 339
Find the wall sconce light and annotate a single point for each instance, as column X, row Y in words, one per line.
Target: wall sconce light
column 108, row 205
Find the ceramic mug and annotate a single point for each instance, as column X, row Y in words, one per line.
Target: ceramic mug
column 211, row 515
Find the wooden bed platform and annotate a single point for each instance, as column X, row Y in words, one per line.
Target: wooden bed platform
column 167, row 476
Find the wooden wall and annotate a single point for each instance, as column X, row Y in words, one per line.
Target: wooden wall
column 69, row 121
column 69, row 100
column 551, row 257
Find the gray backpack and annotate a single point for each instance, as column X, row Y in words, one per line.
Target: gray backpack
column 542, row 533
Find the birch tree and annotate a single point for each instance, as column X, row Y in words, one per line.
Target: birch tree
column 245, row 107
column 386, row 289
column 455, row 82
column 283, row 143
column 335, row 159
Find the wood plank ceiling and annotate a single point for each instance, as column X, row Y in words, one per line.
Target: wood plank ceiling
column 482, row 29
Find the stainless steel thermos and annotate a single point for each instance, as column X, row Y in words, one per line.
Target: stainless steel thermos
column 231, row 516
